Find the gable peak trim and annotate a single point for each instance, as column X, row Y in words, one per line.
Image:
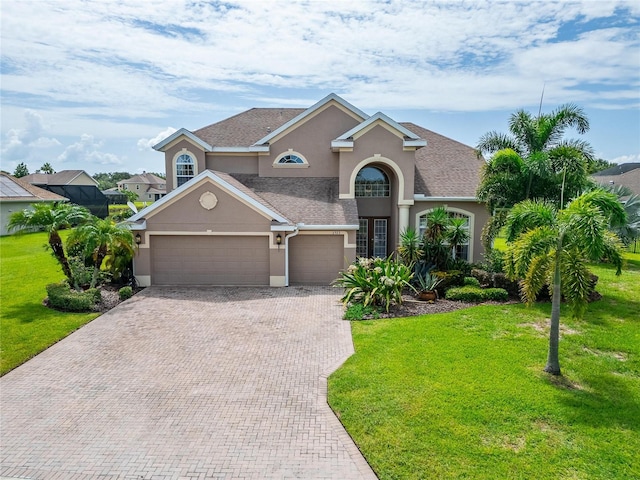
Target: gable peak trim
column 332, row 97
column 161, row 146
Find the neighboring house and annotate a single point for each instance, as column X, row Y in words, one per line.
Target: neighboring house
column 76, row 185
column 64, row 177
column 115, row 196
column 283, row 196
column 148, row 186
column 17, row 195
column 625, row 174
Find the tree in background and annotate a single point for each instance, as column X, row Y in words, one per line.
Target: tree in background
column 21, row 170
column 110, row 180
column 534, row 161
column 51, row 217
column 550, row 246
column 598, row 164
column 46, row 168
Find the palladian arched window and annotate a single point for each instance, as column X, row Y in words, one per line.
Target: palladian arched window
column 372, row 182
column 184, row 169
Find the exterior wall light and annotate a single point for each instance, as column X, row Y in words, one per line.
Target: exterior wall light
column 138, row 239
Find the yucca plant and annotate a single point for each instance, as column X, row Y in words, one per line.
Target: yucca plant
column 374, row 281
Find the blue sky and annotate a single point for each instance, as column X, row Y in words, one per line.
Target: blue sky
column 93, row 84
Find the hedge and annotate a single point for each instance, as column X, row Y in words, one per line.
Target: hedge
column 470, row 293
column 62, row 297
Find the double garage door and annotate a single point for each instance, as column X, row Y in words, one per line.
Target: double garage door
column 242, row 260
column 209, row 260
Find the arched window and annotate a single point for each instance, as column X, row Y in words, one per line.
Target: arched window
column 291, row 159
column 185, row 168
column 372, row 182
column 462, row 251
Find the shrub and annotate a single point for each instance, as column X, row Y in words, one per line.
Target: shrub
column 500, row 280
column 62, row 297
column 125, row 293
column 484, row 277
column 494, row 261
column 376, row 282
column 452, row 278
column 475, row 294
column 471, row 281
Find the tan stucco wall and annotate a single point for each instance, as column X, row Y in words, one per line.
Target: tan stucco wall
column 186, row 214
column 182, row 146
column 381, row 143
column 313, row 140
column 480, row 217
column 233, row 163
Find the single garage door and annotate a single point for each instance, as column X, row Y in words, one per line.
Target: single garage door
column 315, row 259
column 209, row 260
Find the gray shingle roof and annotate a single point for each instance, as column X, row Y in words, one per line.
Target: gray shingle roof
column 618, row 169
column 445, row 167
column 63, row 177
column 314, row 201
column 14, row 189
column 246, row 128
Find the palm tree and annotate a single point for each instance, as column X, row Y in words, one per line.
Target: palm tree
column 534, row 160
column 457, row 234
column 51, row 218
column 100, row 237
column 552, row 247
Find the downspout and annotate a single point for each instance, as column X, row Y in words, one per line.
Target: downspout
column 286, row 255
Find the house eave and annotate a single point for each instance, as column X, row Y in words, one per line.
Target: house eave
column 161, row 146
column 426, row 198
column 302, row 226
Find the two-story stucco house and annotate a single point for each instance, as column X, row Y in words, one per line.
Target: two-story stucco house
column 147, row 186
column 282, row 196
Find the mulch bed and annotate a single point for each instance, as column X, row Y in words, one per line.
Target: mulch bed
column 111, row 297
column 411, row 307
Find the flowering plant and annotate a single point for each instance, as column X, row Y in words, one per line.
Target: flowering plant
column 374, row 281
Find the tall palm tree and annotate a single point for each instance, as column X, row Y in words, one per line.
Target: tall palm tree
column 534, row 160
column 51, row 218
column 101, row 237
column 551, row 246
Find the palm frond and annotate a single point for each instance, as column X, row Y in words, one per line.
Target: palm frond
column 536, row 276
column 527, row 215
column 492, row 142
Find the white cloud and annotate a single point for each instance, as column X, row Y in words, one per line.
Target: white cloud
column 627, row 158
column 87, row 150
column 20, row 143
column 150, row 62
column 148, row 143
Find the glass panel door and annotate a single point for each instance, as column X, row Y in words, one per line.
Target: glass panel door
column 380, row 237
column 362, row 239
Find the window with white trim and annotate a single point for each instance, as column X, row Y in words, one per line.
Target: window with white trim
column 291, row 159
column 462, row 251
column 372, row 182
column 185, row 169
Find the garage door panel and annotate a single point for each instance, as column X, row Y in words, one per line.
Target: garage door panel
column 209, row 260
column 315, row 259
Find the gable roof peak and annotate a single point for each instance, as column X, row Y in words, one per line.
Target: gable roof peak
column 332, row 97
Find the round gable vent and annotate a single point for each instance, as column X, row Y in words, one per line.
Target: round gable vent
column 208, row 200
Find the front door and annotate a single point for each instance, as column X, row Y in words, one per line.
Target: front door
column 371, row 240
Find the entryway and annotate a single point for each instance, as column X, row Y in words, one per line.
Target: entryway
column 371, row 239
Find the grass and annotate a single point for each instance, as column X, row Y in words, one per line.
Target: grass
column 463, row 394
column 27, row 327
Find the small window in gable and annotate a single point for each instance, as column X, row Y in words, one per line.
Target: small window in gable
column 291, row 159
column 185, row 166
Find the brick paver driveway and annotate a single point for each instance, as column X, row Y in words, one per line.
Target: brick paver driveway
column 184, row 383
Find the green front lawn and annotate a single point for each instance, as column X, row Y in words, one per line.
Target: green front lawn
column 26, row 326
column 463, row 394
